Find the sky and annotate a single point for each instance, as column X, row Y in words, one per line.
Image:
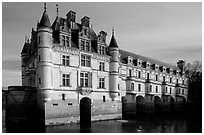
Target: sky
column 163, row 31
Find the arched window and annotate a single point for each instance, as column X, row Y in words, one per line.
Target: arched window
column 132, row 86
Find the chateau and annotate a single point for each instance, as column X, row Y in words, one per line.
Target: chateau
column 67, row 62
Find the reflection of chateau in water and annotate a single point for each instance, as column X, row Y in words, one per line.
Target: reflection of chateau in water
column 68, row 61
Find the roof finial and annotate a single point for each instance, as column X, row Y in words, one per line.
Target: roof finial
column 26, row 38
column 57, row 9
column 113, row 31
column 44, row 5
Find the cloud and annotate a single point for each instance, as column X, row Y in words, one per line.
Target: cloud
column 11, row 65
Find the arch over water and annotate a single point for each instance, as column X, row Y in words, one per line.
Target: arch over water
column 157, row 104
column 157, row 99
column 85, row 112
column 140, row 105
column 172, row 104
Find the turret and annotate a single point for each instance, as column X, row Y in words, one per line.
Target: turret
column 23, row 61
column 113, row 68
column 44, row 70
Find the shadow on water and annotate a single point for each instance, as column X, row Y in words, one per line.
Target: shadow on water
column 144, row 124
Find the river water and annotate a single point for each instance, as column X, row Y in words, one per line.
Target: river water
column 142, row 124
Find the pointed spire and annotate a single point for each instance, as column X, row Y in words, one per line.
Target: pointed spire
column 45, row 22
column 24, row 50
column 57, row 9
column 44, row 5
column 113, row 42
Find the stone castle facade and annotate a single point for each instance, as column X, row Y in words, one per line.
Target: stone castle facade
column 67, row 61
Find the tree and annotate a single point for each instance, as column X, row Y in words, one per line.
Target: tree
column 193, row 71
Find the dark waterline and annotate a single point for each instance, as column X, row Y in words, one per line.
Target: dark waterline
column 142, row 124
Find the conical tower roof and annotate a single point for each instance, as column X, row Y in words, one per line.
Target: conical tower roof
column 24, row 50
column 45, row 22
column 113, row 42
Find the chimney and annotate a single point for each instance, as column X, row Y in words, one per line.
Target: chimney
column 102, row 36
column 85, row 21
column 181, row 64
column 71, row 17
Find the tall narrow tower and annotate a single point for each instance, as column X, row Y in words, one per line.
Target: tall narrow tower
column 44, row 71
column 23, row 61
column 113, row 68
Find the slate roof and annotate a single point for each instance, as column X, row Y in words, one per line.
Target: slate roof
column 125, row 54
column 24, row 50
column 113, row 42
column 59, row 21
column 45, row 22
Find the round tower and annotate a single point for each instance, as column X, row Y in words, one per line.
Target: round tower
column 113, row 68
column 44, row 71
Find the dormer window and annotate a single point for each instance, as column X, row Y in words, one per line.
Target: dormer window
column 147, row 64
column 138, row 62
column 65, row 40
column 169, row 70
column 85, row 45
column 177, row 72
column 129, row 60
column 102, row 49
column 164, row 69
column 82, row 45
column 155, row 67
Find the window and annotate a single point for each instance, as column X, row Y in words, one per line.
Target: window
column 147, row 75
column 170, row 80
column 163, row 78
column 156, row 89
column 65, row 80
column 182, row 91
column 82, row 45
column 39, row 58
column 170, row 90
column 102, row 66
column 150, row 88
column 65, row 60
column 118, row 86
column 183, row 82
column 39, row 80
column 87, row 46
column 101, row 49
column 166, row 89
column 177, row 81
column 63, row 40
column 67, row 41
column 139, row 87
column 84, row 79
column 139, row 63
column 130, row 72
column 139, row 74
column 104, row 98
column 63, row 96
column 156, row 77
column 132, row 86
column 85, row 60
column 102, row 83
